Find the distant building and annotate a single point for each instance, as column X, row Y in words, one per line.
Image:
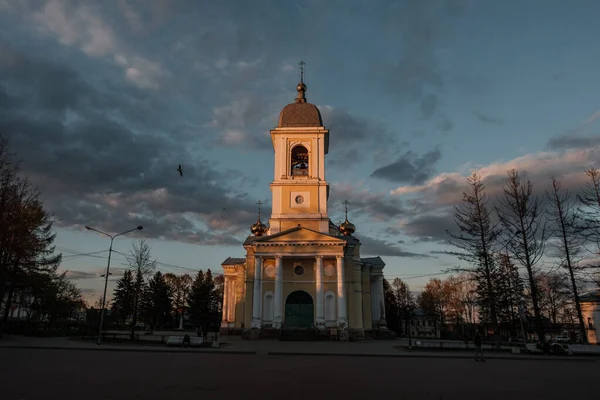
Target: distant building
column 423, row 325
column 590, row 309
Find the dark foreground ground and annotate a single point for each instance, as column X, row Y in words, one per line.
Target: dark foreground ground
column 81, row 374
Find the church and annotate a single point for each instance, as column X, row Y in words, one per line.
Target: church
column 301, row 271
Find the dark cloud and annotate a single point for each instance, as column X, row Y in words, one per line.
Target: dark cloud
column 410, row 168
column 353, row 136
column 444, row 124
column 101, row 156
column 488, row 119
column 374, row 247
column 571, row 141
column 364, row 202
column 417, row 76
column 429, row 105
column 431, row 228
column 76, row 275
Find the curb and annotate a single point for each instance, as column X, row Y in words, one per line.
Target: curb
column 100, row 348
column 295, row 354
column 284, row 353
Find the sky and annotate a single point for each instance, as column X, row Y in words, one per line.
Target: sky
column 102, row 100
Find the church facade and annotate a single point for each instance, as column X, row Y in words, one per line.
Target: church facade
column 302, row 271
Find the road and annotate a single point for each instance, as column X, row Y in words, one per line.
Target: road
column 82, row 374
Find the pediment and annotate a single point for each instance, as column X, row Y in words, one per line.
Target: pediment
column 299, row 235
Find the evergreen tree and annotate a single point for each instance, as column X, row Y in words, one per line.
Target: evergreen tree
column 392, row 313
column 203, row 300
column 209, row 293
column 196, row 300
column 124, row 297
column 219, row 288
column 156, row 301
column 487, row 281
column 476, row 239
column 26, row 236
column 510, row 292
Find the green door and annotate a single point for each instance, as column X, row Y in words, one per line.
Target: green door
column 299, row 310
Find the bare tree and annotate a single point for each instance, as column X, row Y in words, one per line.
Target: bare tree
column 521, row 215
column 554, row 295
column 590, row 211
column 180, row 286
column 476, row 239
column 564, row 225
column 467, row 295
column 140, row 260
column 405, row 300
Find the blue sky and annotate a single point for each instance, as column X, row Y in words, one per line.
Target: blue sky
column 102, row 100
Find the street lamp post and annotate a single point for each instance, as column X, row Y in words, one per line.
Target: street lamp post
column 112, row 237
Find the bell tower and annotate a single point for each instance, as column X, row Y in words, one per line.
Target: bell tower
column 299, row 188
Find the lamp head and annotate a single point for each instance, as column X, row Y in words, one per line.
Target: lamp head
column 140, row 228
column 88, row 228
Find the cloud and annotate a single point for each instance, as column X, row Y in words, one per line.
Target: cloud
column 429, row 105
column 593, row 118
column 364, row 201
column 488, row 119
column 416, row 74
column 573, row 141
column 134, row 20
column 100, row 157
column 374, row 247
column 432, row 202
column 430, row 228
column 410, row 168
column 76, row 275
column 82, row 25
column 237, row 122
column 353, row 137
column 76, row 26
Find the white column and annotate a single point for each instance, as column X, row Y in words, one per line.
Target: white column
column 341, row 293
column 278, row 301
column 320, row 312
column 231, row 302
column 257, row 300
column 374, row 300
column 225, row 308
column 381, row 297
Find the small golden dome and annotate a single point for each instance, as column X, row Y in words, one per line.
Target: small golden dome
column 347, row 228
column 258, row 229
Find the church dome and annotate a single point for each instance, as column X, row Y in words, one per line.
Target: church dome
column 347, row 228
column 258, row 229
column 300, row 113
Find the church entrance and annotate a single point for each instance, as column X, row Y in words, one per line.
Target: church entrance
column 299, row 310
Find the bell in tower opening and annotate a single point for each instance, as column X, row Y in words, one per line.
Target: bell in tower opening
column 299, row 161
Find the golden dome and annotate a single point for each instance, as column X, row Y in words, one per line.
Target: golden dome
column 258, row 229
column 347, row 228
column 300, row 113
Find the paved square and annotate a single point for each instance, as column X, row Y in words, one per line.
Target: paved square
column 87, row 374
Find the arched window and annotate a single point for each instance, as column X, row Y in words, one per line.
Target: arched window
column 299, row 161
column 268, row 309
column 329, row 308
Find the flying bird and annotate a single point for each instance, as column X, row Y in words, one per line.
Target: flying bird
column 180, row 170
